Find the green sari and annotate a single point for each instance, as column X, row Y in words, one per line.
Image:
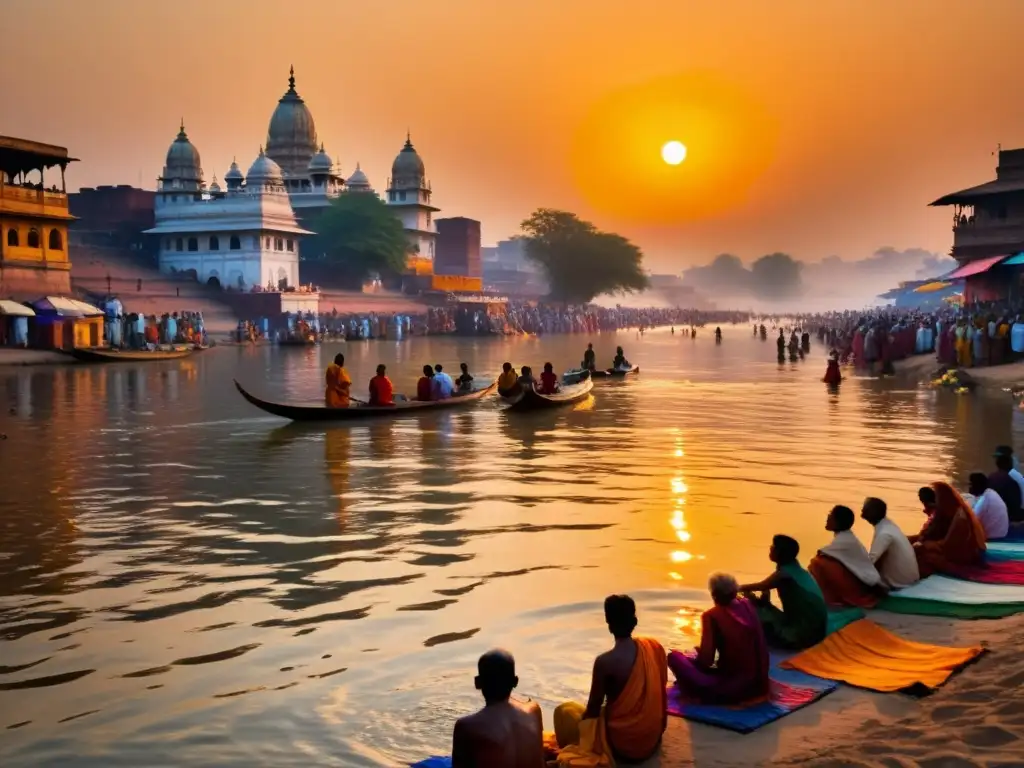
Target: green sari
column 803, row 620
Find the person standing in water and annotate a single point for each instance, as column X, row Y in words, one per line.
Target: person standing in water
column 718, row 335
column 781, row 343
column 338, row 384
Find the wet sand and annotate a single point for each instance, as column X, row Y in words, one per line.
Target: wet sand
column 976, row 719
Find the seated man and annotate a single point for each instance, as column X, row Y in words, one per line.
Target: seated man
column 732, row 634
column 338, row 383
column 505, row 733
column 843, row 568
column 952, row 537
column 632, row 677
column 620, row 362
column 548, row 380
column 803, row 619
column 989, row 507
column 526, row 379
column 381, row 390
column 508, row 380
column 425, row 385
column 891, row 551
column 465, row 380
column 442, row 387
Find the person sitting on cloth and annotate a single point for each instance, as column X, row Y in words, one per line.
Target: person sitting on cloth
column 505, row 733
column 891, row 550
column 731, row 634
column 952, row 537
column 803, row 619
column 632, row 677
column 843, row 569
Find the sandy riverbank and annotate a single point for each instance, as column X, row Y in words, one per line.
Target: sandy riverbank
column 976, row 719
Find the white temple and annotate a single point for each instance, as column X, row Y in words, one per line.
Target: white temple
column 238, row 237
column 248, row 234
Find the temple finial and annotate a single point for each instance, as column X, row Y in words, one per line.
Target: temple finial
column 261, row 150
column 291, row 78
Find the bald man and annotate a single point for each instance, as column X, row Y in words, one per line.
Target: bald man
column 505, row 733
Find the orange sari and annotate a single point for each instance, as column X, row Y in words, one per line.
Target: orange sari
column 630, row 726
column 964, row 540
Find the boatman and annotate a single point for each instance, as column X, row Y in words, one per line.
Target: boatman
column 338, row 384
column 589, row 359
column 381, row 390
column 620, row 362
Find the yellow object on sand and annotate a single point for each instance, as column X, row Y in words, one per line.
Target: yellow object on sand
column 868, row 656
column 586, row 740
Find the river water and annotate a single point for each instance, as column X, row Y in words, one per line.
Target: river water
column 186, row 581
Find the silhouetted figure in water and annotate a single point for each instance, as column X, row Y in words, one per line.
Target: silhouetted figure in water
column 718, row 335
column 781, row 344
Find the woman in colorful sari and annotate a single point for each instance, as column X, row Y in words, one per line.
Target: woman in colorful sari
column 952, row 537
column 803, row 619
column 731, row 634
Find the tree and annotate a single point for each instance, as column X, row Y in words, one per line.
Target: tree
column 580, row 260
column 361, row 236
column 724, row 276
column 776, row 276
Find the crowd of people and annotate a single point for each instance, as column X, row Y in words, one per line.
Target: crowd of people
column 626, row 711
column 434, row 384
column 133, row 330
column 974, row 335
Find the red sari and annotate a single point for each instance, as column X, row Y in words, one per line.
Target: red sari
column 734, row 635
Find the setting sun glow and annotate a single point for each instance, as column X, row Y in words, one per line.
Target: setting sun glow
column 674, row 152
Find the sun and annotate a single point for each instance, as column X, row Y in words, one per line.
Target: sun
column 674, row 152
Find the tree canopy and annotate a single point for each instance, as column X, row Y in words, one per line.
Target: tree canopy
column 580, row 260
column 776, row 276
column 360, row 237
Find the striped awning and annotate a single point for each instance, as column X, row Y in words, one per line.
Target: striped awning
column 66, row 307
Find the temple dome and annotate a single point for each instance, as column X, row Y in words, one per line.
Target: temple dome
column 321, row 162
column 358, row 179
column 407, row 171
column 234, row 173
column 183, row 161
column 263, row 171
column 291, row 137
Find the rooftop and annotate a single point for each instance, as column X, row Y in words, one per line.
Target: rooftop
column 1009, row 180
column 22, row 155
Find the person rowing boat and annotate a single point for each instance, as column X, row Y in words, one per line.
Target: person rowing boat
column 338, row 384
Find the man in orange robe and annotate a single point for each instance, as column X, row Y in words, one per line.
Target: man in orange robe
column 381, row 390
column 843, row 569
column 626, row 713
column 338, row 384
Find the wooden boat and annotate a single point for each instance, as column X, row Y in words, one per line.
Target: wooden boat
column 110, row 355
column 405, row 407
column 532, row 400
column 577, row 375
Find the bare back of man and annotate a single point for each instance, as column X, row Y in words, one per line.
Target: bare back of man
column 616, row 666
column 508, row 734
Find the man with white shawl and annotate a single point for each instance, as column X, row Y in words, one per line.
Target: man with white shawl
column 843, row 569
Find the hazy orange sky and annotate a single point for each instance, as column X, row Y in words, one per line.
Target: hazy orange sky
column 814, row 128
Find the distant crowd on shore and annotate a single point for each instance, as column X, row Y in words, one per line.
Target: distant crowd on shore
column 977, row 334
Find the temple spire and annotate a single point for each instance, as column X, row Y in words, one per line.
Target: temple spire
column 291, row 78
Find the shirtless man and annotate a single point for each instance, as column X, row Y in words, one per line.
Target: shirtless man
column 505, row 733
column 631, row 690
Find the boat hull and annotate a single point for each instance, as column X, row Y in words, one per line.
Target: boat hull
column 353, row 413
column 128, row 355
column 531, row 400
column 577, row 375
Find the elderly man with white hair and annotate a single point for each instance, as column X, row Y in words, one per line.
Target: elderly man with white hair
column 731, row 663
